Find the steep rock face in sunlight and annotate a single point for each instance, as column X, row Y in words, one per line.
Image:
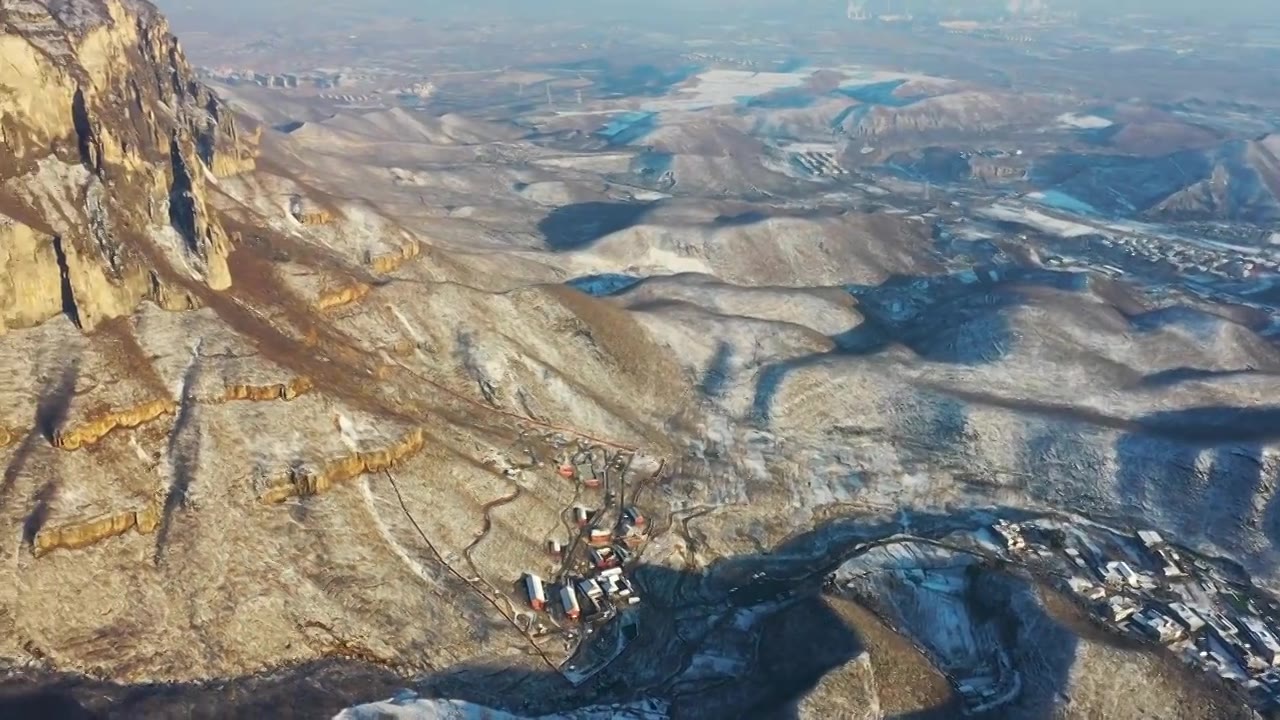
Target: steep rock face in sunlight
column 201, row 361
column 290, row 417
column 107, row 142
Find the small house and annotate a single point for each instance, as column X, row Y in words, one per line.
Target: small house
column 569, row 600
column 536, row 591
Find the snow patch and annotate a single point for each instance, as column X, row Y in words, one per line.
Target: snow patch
column 347, row 430
column 725, row 87
column 1083, row 122
column 371, row 502
column 1039, row 221
column 408, row 327
column 408, row 706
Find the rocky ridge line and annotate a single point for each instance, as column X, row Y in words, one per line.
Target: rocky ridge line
column 107, row 144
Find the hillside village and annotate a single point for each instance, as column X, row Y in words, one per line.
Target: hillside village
column 589, row 584
column 1147, row 588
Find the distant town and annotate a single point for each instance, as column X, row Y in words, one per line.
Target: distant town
column 1146, row 588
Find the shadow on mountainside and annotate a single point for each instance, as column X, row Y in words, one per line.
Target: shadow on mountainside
column 718, row 372
column 1197, row 472
column 50, row 415
column 1200, row 472
column 1175, row 376
column 955, row 319
column 577, row 226
column 183, row 448
column 696, row 631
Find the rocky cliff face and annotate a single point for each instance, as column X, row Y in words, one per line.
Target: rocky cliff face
column 106, row 145
column 191, row 374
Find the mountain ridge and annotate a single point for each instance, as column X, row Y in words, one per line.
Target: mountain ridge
column 121, row 202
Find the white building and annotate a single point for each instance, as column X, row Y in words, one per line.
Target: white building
column 609, row 583
column 1150, row 538
column 1264, row 642
column 1121, row 607
column 1189, row 618
column 1076, row 558
column 1221, row 623
column 590, row 588
column 1156, row 626
column 536, row 590
column 569, row 600
column 1125, row 574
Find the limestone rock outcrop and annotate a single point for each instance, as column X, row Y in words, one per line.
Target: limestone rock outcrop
column 308, row 212
column 305, row 480
column 104, row 422
column 278, row 391
column 84, row 533
column 106, row 144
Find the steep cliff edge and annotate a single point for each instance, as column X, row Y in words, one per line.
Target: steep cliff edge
column 106, row 146
column 173, row 437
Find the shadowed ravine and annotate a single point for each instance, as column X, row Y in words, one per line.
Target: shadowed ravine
column 801, row 638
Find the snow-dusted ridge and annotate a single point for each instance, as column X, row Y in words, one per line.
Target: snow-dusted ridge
column 408, row 706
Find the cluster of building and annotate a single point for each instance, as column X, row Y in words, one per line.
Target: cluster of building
column 818, row 163
column 592, row 584
column 1193, row 259
column 702, row 58
column 1157, row 593
column 284, row 81
column 985, row 691
column 585, row 596
column 598, row 589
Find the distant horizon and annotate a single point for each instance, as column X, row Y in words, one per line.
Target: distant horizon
column 659, row 12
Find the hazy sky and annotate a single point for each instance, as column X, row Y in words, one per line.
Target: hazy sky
column 674, row 12
column 1261, row 9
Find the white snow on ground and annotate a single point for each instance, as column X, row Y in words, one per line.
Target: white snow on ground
column 744, row 619
column 349, row 433
column 138, row 451
column 1039, row 221
column 589, row 113
column 725, row 87
column 856, row 75
column 969, row 232
column 419, row 340
column 408, row 706
column 808, row 147
column 371, row 503
column 632, row 252
column 1083, row 122
column 707, row 666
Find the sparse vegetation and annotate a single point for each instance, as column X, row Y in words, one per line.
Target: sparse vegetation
column 301, row 372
